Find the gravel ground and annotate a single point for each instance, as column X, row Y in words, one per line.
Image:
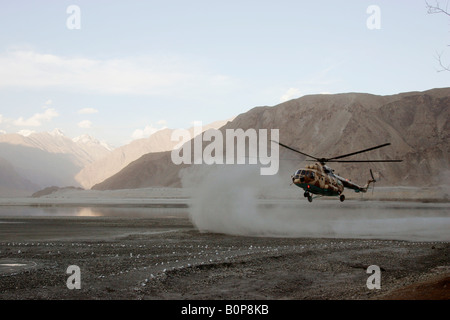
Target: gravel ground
column 167, row 258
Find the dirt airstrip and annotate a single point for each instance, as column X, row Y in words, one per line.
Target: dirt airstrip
column 167, row 258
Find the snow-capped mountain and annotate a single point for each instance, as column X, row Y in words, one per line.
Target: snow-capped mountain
column 119, row 158
column 53, row 159
column 85, row 149
column 49, row 158
column 87, row 140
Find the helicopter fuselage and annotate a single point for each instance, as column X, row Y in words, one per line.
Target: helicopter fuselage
column 321, row 180
column 318, row 179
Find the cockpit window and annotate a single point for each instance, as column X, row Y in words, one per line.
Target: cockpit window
column 308, row 174
column 305, row 173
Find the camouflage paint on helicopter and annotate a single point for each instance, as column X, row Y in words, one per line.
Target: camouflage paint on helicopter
column 320, row 179
column 314, row 179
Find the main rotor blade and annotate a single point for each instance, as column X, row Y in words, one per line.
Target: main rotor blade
column 353, row 153
column 292, row 149
column 365, row 160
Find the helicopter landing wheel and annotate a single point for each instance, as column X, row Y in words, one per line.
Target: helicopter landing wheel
column 306, row 194
column 309, row 198
column 342, row 198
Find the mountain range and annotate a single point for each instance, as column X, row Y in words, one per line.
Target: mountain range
column 417, row 124
column 44, row 159
column 35, row 161
column 119, row 158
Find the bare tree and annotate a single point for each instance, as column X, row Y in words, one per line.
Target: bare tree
column 437, row 9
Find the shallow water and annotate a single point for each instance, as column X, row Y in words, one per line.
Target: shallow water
column 411, row 221
column 87, row 211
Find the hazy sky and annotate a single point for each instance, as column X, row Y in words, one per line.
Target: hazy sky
column 117, row 70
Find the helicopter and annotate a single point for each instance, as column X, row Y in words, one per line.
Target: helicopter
column 320, row 180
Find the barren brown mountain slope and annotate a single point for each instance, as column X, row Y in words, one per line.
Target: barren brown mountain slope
column 122, row 156
column 119, row 158
column 417, row 124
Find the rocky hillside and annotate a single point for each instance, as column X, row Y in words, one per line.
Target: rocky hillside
column 417, row 124
column 118, row 159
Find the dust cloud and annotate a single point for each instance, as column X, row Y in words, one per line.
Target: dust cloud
column 237, row 200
